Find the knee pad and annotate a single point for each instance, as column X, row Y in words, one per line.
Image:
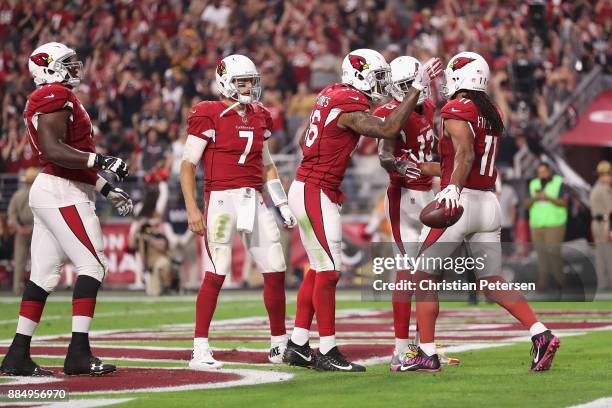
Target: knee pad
column 96, row 271
column 46, row 280
column 276, row 258
column 220, row 229
column 222, row 259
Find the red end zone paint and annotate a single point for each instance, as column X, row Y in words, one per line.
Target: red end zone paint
column 127, row 379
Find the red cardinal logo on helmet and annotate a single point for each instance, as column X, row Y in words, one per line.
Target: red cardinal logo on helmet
column 41, row 59
column 460, row 62
column 221, row 69
column 358, row 62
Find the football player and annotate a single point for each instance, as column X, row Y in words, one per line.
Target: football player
column 62, row 201
column 406, row 196
column 470, row 134
column 229, row 138
column 340, row 115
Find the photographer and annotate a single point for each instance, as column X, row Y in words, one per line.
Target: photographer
column 147, row 236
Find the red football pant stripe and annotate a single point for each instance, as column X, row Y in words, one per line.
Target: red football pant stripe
column 324, row 300
column 305, row 308
column 427, row 307
column 513, row 301
column 312, row 204
column 401, row 300
column 431, row 238
column 275, row 302
column 74, row 222
column 205, row 215
column 394, row 197
column 31, row 309
column 206, row 302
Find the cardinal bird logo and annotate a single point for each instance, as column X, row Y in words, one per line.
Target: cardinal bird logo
column 358, row 62
column 460, row 62
column 221, row 69
column 42, row 59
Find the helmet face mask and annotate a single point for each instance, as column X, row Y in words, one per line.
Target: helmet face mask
column 247, row 88
column 381, row 81
column 74, row 71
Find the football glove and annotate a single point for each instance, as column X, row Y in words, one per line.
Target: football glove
column 430, row 70
column 408, row 165
column 289, row 219
column 407, row 168
column 111, row 164
column 118, row 199
column 449, row 198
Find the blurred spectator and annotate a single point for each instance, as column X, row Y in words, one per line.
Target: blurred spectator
column 146, row 64
column 6, row 239
column 547, row 219
column 508, row 202
column 21, row 220
column 601, row 210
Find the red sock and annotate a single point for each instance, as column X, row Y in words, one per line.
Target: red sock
column 513, row 301
column 31, row 309
column 305, row 309
column 401, row 300
column 207, row 302
column 274, row 299
column 324, row 300
column 427, row 308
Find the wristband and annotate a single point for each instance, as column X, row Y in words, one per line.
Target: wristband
column 91, row 160
column 277, row 192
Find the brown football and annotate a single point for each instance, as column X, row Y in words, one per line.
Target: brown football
column 435, row 218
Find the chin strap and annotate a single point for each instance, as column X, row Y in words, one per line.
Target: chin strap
column 229, row 109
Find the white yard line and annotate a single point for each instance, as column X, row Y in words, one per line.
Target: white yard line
column 598, row 403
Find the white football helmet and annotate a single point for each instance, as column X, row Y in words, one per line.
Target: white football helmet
column 466, row 70
column 238, row 67
column 367, row 71
column 49, row 63
column 404, row 70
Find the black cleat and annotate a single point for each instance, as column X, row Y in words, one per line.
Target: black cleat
column 335, row 361
column 86, row 364
column 19, row 363
column 545, row 345
column 301, row 356
column 419, row 362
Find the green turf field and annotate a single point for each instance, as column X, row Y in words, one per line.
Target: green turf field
column 494, row 374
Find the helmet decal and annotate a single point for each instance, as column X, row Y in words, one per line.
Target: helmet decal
column 358, row 62
column 221, row 68
column 460, row 62
column 42, row 59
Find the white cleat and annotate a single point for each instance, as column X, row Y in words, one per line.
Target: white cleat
column 276, row 353
column 202, row 360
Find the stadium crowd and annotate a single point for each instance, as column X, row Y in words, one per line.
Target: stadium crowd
column 147, row 62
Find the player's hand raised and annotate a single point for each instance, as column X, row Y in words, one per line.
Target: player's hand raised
column 113, row 165
column 429, row 71
column 196, row 221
